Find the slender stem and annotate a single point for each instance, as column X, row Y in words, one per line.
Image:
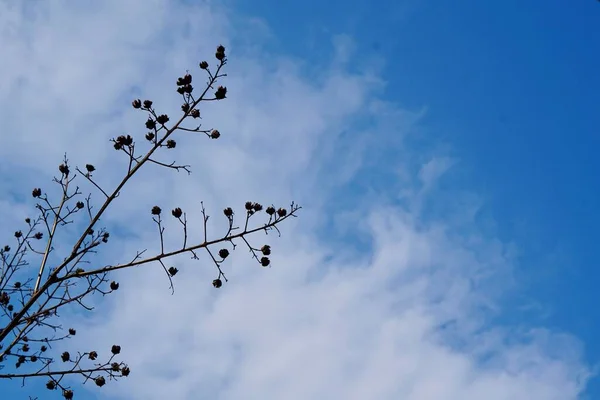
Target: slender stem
column 51, row 237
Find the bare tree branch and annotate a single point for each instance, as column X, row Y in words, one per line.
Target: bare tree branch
column 30, row 305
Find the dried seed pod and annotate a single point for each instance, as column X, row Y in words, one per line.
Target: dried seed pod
column 221, row 93
column 162, row 119
column 266, row 250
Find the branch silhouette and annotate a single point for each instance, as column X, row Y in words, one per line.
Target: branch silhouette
column 29, row 305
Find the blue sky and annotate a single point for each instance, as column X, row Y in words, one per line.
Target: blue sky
column 514, row 88
column 469, row 129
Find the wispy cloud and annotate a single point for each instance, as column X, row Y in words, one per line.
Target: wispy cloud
column 367, row 298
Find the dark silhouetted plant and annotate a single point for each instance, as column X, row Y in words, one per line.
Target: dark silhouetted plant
column 30, row 299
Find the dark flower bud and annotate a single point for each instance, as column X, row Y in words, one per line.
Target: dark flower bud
column 177, row 212
column 156, row 210
column 203, row 65
column 6, row 248
column 4, row 298
column 217, row 283
column 215, row 134
column 228, row 212
column 223, row 253
column 43, row 348
column 137, row 103
column 93, row 355
column 150, row 124
column 37, row 192
column 72, row 331
column 38, row 235
column 257, row 207
column 114, row 285
column 162, row 119
column 173, row 271
column 125, row 371
column 220, row 93
column 115, row 367
column 80, row 204
column 270, row 210
column 33, row 358
column 115, row 349
column 18, row 234
column 220, row 53
column 264, row 261
column 282, row 212
column 171, row 144
column 100, row 381
column 51, row 385
column 90, row 168
column 147, row 103
column 195, row 113
column 266, row 250
column 68, row 394
column 150, row 136
column 249, row 205
column 123, row 140
column 65, row 356
column 27, row 220
column 185, row 107
column 64, row 169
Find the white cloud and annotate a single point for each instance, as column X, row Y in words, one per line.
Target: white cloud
column 405, row 318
